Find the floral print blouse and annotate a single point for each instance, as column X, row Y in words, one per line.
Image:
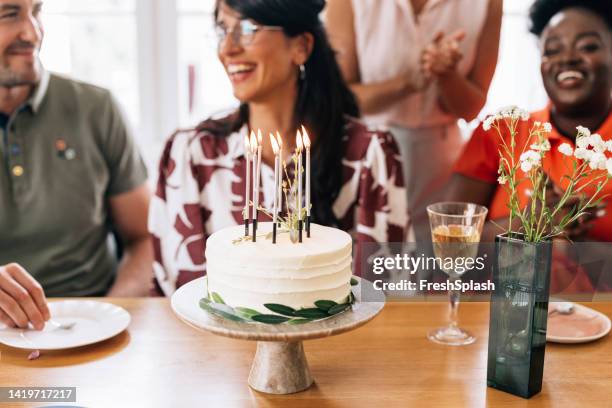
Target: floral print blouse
column 201, row 190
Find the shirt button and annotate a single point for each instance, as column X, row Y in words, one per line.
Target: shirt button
column 17, row 171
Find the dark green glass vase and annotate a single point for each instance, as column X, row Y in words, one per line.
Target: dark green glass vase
column 519, row 312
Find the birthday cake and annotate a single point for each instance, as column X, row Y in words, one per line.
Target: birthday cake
column 295, row 280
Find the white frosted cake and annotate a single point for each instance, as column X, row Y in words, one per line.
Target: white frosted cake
column 250, row 274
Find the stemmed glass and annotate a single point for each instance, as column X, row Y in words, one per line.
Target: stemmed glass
column 455, row 230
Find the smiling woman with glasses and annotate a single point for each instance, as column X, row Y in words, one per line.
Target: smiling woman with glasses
column 284, row 73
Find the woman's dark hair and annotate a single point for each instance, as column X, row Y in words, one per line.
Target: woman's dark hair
column 542, row 11
column 324, row 99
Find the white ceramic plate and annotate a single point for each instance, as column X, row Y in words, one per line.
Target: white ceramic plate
column 582, row 326
column 95, row 322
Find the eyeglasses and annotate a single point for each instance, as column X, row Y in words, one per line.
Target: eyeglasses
column 242, row 33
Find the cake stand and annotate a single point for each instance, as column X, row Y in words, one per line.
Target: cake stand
column 280, row 365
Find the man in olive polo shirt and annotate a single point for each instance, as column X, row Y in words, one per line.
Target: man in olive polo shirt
column 69, row 171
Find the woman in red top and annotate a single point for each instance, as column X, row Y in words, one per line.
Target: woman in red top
column 576, row 43
column 284, row 73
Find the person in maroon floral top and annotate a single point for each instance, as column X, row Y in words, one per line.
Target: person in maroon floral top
column 284, row 72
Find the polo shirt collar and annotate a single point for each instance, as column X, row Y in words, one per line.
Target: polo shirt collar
column 40, row 91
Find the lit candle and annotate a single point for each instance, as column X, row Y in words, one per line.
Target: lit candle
column 275, row 149
column 256, row 152
column 307, row 146
column 258, row 175
column 247, row 154
column 280, row 172
column 299, row 147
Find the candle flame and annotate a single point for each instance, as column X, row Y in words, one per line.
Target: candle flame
column 306, row 138
column 279, row 139
column 259, row 137
column 274, row 144
column 253, row 143
column 298, row 142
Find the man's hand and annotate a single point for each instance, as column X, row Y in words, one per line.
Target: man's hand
column 22, row 299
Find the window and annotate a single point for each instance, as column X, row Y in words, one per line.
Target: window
column 204, row 88
column 517, row 79
column 94, row 40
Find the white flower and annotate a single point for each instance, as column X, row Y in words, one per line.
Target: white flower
column 582, row 131
column 513, row 112
column 530, row 155
column 488, row 123
column 545, row 127
column 597, row 161
column 524, row 115
column 609, row 166
column 530, row 160
column 541, row 147
column 609, row 145
column 582, row 153
column 526, row 166
column 506, row 111
column 503, row 179
column 583, row 142
column 566, row 149
column 598, row 144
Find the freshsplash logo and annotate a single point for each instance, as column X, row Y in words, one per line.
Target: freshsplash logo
column 411, row 264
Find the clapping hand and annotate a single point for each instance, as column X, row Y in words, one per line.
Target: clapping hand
column 22, row 299
column 442, row 55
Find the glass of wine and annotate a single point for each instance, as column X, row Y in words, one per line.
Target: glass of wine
column 455, row 230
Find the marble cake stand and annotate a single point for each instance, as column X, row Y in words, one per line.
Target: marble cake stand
column 280, row 365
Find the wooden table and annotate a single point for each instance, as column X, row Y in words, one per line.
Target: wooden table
column 161, row 362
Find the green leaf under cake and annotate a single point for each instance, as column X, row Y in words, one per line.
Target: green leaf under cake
column 217, row 298
column 311, row 313
column 215, row 305
column 338, row 309
column 270, row 318
column 213, row 308
column 280, row 309
column 325, row 305
column 245, row 312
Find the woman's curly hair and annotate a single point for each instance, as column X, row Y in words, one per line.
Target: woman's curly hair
column 542, row 11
